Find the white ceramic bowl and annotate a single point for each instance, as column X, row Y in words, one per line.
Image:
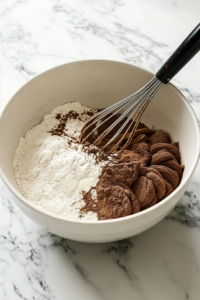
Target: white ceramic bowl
column 96, row 84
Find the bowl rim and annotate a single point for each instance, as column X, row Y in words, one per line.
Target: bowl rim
column 141, row 214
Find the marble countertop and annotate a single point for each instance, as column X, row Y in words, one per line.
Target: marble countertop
column 161, row 263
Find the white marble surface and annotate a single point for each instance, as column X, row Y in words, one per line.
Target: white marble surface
column 161, row 263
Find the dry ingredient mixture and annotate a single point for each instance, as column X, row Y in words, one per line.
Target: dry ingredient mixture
column 54, row 171
column 51, row 168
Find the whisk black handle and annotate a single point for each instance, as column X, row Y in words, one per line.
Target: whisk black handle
column 189, row 47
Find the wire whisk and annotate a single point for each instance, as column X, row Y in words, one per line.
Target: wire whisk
column 133, row 106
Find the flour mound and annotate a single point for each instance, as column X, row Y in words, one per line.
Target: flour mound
column 53, row 171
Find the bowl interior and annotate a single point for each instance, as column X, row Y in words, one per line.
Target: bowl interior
column 97, row 84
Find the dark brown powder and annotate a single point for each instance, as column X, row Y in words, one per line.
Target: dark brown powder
column 59, row 129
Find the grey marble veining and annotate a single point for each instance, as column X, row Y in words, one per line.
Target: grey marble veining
column 161, row 263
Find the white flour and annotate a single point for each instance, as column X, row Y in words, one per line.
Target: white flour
column 52, row 171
